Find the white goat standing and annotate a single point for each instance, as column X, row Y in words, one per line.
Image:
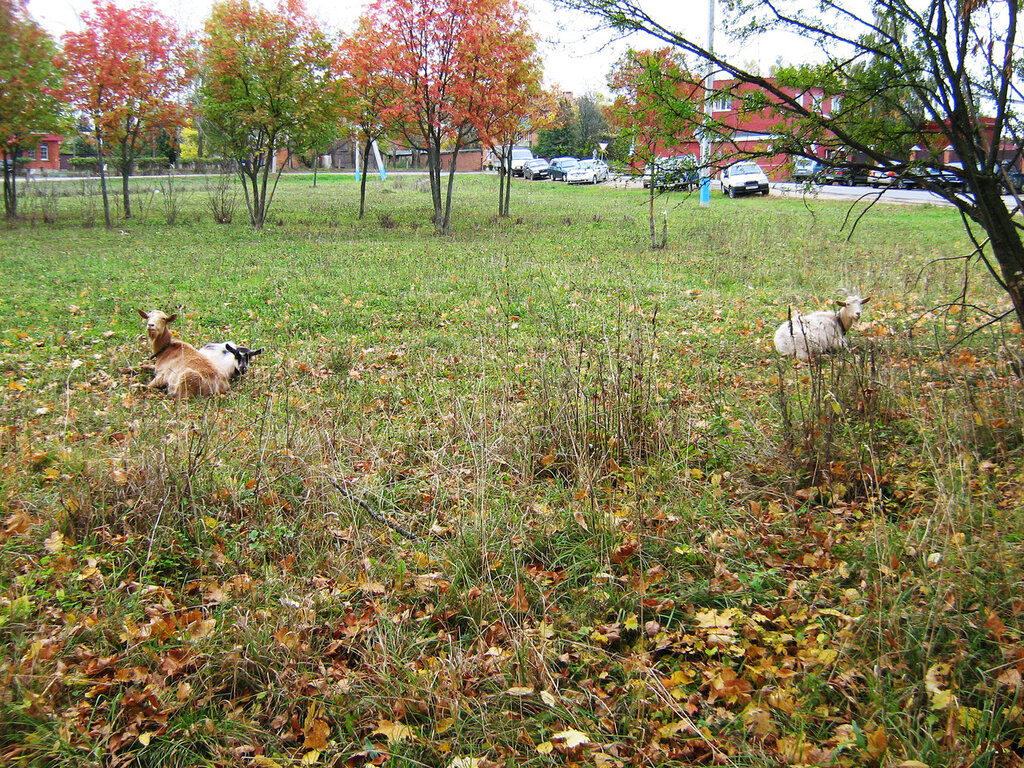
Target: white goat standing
column 808, row 335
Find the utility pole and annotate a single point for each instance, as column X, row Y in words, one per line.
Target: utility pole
column 705, row 136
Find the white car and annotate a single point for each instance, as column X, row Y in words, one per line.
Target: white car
column 743, row 178
column 587, row 172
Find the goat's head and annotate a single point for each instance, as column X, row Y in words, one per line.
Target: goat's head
column 157, row 322
column 243, row 356
column 852, row 308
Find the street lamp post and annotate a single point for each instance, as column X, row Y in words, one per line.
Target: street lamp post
column 705, row 137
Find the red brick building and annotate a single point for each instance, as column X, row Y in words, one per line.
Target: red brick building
column 43, row 157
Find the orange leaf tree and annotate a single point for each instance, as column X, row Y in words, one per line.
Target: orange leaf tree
column 126, row 71
column 267, row 85
column 368, row 109
column 655, row 106
column 449, row 63
column 28, row 83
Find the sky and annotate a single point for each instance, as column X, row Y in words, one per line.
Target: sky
column 576, row 58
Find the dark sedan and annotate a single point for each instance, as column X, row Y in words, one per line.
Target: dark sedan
column 537, row 168
column 560, row 166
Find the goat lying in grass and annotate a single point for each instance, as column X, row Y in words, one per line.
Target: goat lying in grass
column 229, row 358
column 179, row 366
column 806, row 336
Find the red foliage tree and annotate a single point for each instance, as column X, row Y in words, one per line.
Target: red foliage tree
column 371, row 96
column 450, row 64
column 126, row 71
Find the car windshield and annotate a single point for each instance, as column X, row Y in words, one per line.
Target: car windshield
column 518, row 154
column 585, row 164
column 567, row 162
column 741, row 168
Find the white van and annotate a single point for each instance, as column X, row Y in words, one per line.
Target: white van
column 519, row 157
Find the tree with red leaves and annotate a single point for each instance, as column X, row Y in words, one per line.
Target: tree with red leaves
column 28, row 84
column 451, row 64
column 655, row 106
column 126, row 71
column 268, row 84
column 369, row 108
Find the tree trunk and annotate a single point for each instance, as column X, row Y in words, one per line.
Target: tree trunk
column 103, row 180
column 10, row 184
column 126, row 172
column 650, row 212
column 362, row 179
column 1006, row 243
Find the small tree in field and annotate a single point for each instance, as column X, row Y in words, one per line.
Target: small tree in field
column 653, row 108
column 369, row 109
column 267, row 85
column 929, row 75
column 126, row 71
column 28, row 83
column 445, row 61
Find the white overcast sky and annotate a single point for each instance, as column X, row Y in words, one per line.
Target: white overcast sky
column 575, row 57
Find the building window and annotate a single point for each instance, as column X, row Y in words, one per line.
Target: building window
column 837, row 103
column 44, row 151
column 30, row 154
column 816, row 101
column 721, row 104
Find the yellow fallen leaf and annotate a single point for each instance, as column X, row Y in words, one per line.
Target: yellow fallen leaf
column 145, row 738
column 571, row 739
column 548, row 698
column 311, row 757
column 394, row 732
column 913, row 764
column 545, row 747
column 520, row 691
column 265, row 762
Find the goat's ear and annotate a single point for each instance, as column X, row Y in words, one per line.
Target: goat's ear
column 172, row 318
column 254, row 352
column 143, row 315
column 865, row 301
column 840, row 303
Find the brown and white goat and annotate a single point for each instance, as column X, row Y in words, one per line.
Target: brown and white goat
column 179, row 366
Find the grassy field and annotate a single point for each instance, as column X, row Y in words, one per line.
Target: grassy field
column 620, row 531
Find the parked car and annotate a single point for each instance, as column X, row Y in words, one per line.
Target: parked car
column 587, row 172
column 945, row 177
column 745, row 177
column 679, row 172
column 883, row 176
column 847, row 175
column 805, row 169
column 1013, row 181
column 537, row 168
column 560, row 166
column 519, row 156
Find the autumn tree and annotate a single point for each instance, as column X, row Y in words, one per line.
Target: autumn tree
column 653, row 107
column 126, row 71
column 516, row 105
column 448, row 63
column 953, row 66
column 28, row 85
column 267, row 85
column 369, row 108
column 577, row 128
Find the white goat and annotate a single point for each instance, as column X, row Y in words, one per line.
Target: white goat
column 808, row 335
column 229, row 358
